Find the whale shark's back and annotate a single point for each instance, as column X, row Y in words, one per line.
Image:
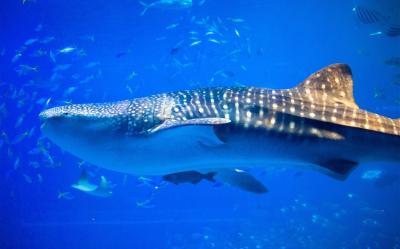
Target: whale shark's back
column 325, row 96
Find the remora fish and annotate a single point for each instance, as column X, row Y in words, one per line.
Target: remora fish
column 316, row 124
column 193, row 177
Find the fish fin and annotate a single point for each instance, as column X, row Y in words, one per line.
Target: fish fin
column 170, row 123
column 210, row 138
column 210, row 176
column 241, row 179
column 83, row 178
column 83, row 183
column 103, row 183
column 145, row 8
column 338, row 168
column 333, row 82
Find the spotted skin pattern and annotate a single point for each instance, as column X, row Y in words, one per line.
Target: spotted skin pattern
column 326, row 96
column 316, row 124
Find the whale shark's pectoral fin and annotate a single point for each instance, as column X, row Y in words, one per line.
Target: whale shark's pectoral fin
column 171, row 123
column 338, row 168
column 241, row 179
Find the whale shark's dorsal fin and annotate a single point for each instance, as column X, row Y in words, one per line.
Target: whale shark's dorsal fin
column 333, row 83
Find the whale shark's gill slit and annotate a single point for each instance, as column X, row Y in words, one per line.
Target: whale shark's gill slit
column 367, row 16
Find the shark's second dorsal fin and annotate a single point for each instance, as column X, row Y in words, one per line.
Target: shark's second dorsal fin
column 333, row 83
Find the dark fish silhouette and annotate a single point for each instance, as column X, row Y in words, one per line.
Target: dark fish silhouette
column 193, row 177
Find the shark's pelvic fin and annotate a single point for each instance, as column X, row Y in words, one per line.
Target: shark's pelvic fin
column 241, row 179
column 170, row 123
column 338, row 168
column 333, row 83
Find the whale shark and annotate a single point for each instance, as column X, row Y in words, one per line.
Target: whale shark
column 315, row 125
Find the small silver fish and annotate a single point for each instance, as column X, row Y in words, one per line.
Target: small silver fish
column 20, row 120
column 31, row 41
column 47, row 39
column 92, row 64
column 16, row 57
column 172, row 26
column 67, row 50
column 61, row 67
column 20, row 137
column 214, row 41
column 24, row 69
column 27, row 178
column 52, row 56
column 86, row 80
column 237, row 32
column 40, row 178
column 195, row 43
column 65, row 196
column 166, row 4
column 39, row 27
column 69, row 91
column 145, row 204
column 376, row 33
column 16, row 163
column 236, row 20
column 132, row 75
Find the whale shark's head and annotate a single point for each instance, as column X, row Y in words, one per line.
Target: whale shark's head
column 75, row 125
column 86, row 129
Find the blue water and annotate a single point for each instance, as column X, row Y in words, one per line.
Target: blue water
column 118, row 54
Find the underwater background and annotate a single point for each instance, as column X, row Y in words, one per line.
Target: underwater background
column 59, row 52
